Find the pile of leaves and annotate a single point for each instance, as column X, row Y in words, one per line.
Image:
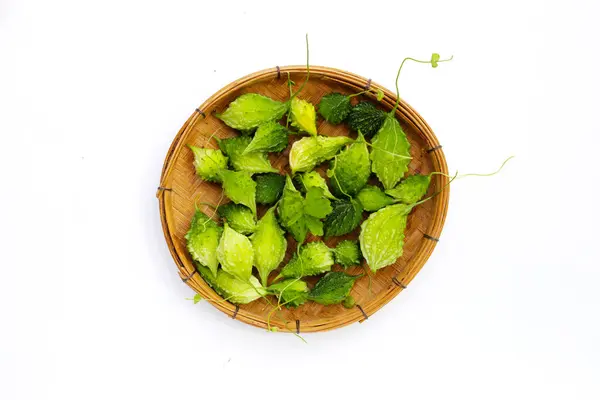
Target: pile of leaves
column 236, row 242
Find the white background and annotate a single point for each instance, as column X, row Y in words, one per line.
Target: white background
column 93, row 92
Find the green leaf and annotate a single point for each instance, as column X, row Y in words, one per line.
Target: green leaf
column 380, row 94
column 251, row 110
column 312, row 259
column 203, row 239
column 307, row 152
column 313, row 179
column 435, row 57
column 411, row 189
column 347, row 253
column 238, row 217
column 350, row 170
column 390, row 153
column 303, row 116
column 366, row 118
column 253, row 162
column 269, row 187
column 239, row 187
column 197, row 298
column 344, row 217
column 292, row 292
column 349, row 302
column 333, row 288
column 372, row 198
column 235, row 253
column 335, row 107
column 316, row 204
column 291, row 211
column 314, row 225
column 382, row 236
column 208, row 162
column 298, row 215
column 231, row 288
column 269, row 245
column 269, row 137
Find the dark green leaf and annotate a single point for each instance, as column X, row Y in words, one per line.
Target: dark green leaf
column 367, row 118
column 247, row 132
column 333, row 288
column 335, row 107
column 269, row 187
column 344, row 217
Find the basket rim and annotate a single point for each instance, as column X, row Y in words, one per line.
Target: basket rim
column 404, row 112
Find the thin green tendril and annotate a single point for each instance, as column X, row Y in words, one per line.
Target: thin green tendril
column 307, row 71
column 465, row 175
column 400, row 69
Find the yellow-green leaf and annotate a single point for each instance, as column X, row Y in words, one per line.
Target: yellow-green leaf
column 382, row 236
column 251, row 110
column 303, row 116
column 307, row 152
column 269, row 245
column 235, row 253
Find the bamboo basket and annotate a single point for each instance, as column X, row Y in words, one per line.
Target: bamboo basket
column 180, row 188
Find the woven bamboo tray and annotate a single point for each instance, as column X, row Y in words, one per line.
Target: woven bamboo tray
column 180, row 188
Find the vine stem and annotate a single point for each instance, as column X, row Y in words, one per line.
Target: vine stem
column 307, row 71
column 398, row 76
column 465, row 175
column 435, row 194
